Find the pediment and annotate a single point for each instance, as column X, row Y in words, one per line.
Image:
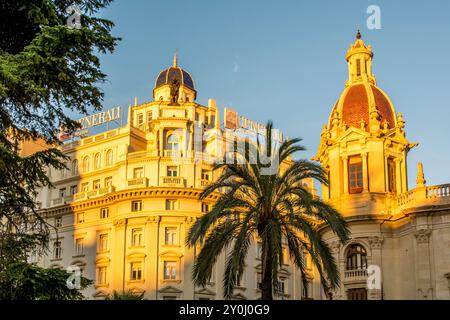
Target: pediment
column 205, row 291
column 170, row 289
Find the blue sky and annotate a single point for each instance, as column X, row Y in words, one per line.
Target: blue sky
column 284, row 61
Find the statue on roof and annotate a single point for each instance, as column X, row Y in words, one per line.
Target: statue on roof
column 174, row 91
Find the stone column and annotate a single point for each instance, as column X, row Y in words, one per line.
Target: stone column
column 424, row 287
column 152, row 263
column 398, row 175
column 118, row 263
column 189, row 290
column 161, row 142
column 345, row 175
column 339, row 293
column 375, row 293
column 365, row 172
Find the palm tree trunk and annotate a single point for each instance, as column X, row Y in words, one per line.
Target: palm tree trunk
column 266, row 281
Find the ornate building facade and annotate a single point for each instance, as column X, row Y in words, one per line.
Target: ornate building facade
column 403, row 234
column 123, row 209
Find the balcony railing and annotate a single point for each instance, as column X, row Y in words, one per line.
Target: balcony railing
column 355, row 275
column 439, row 194
column 172, row 181
column 105, row 190
column 138, row 182
column 204, row 182
column 173, row 154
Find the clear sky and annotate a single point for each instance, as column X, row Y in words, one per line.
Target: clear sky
column 285, row 61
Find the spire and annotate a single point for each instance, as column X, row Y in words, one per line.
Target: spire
column 420, row 176
column 359, row 59
column 358, row 35
column 175, row 60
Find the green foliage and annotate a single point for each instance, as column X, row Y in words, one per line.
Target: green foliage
column 268, row 207
column 126, row 295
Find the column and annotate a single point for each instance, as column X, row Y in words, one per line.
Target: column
column 424, row 287
column 152, row 259
column 404, row 174
column 345, row 177
column 365, row 172
column 161, row 145
column 375, row 292
column 398, row 175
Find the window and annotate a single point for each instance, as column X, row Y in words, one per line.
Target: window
column 149, row 115
column 97, row 161
column 84, row 186
column 172, row 171
column 357, row 294
column 109, row 157
column 205, row 207
column 171, row 204
column 75, row 167
column 136, row 205
column 391, row 175
column 206, row 174
column 108, row 182
column 238, row 281
column 138, row 172
column 86, row 164
column 62, row 192
column 281, row 286
column 79, row 246
column 136, row 271
column 170, row 270
column 197, row 116
column 101, row 275
column 173, row 142
column 57, row 250
column 355, row 174
column 358, row 67
column 171, row 236
column 356, row 257
column 103, row 242
column 64, row 172
column 104, row 213
column 140, row 119
column 136, row 237
column 58, row 222
column 96, row 184
column 80, row 217
column 73, row 190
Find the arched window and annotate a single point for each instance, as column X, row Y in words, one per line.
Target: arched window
column 356, row 257
column 75, row 167
column 97, row 161
column 86, row 164
column 173, row 142
column 109, row 157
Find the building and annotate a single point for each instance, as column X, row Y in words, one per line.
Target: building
column 123, row 209
column 405, row 233
column 125, row 205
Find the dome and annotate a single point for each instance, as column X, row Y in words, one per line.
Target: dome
column 354, row 105
column 172, row 73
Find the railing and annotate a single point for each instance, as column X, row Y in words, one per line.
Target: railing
column 405, row 198
column 438, row 191
column 138, row 182
column 80, row 196
column 172, row 181
column 57, row 201
column 204, row 182
column 172, row 154
column 106, row 190
column 355, row 275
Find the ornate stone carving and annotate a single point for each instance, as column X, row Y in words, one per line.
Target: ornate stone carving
column 120, row 223
column 335, row 246
column 153, row 219
column 375, row 242
column 422, row 235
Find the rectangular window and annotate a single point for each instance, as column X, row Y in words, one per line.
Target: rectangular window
column 103, row 242
column 197, row 116
column 136, row 205
column 358, row 67
column 80, row 217
column 171, row 236
column 104, row 213
column 391, row 175
column 138, row 172
column 355, row 174
column 84, row 186
column 170, row 270
column 96, row 184
column 73, row 190
column 205, row 207
column 136, row 237
column 140, row 119
column 62, row 192
column 172, row 171
column 136, row 271
column 58, row 222
column 57, row 250
column 281, row 286
column 206, row 174
column 101, row 275
column 171, row 204
column 149, row 116
column 79, row 246
column 108, row 182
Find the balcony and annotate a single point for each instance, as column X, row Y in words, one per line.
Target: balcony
column 173, row 154
column 63, row 200
column 204, row 182
column 357, row 275
column 138, row 182
column 80, row 196
column 172, row 181
column 106, row 190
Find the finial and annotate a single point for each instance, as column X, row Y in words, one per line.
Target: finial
column 358, row 35
column 420, row 176
column 135, row 101
column 175, row 60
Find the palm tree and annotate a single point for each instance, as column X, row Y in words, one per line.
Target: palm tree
column 272, row 207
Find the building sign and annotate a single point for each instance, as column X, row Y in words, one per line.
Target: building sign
column 94, row 120
column 235, row 122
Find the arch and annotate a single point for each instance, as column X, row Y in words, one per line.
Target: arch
column 355, row 257
column 173, row 142
column 86, row 164
column 97, row 161
column 109, row 157
column 75, row 167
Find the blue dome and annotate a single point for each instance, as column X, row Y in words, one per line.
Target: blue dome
column 172, row 73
